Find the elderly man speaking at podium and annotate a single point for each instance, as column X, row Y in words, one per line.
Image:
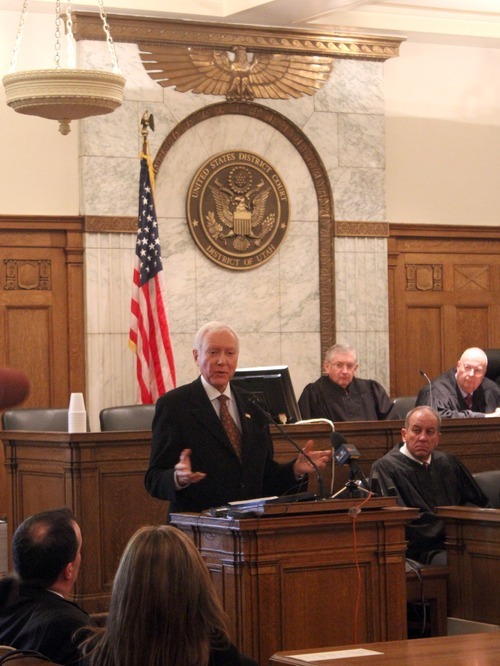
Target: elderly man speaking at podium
column 211, row 444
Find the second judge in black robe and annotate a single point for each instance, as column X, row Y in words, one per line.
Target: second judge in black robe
column 340, row 396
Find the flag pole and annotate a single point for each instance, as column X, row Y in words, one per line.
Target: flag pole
column 147, row 121
column 149, row 336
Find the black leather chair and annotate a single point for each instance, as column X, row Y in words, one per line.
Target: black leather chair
column 54, row 419
column 404, row 403
column 127, row 417
column 489, row 482
column 493, row 369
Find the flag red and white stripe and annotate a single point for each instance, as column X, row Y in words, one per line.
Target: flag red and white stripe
column 149, row 330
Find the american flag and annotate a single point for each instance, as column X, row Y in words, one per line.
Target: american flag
column 149, row 332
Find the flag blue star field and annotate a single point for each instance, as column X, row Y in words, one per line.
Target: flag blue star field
column 149, row 334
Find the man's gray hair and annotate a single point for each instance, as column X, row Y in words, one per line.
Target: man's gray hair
column 340, row 348
column 212, row 327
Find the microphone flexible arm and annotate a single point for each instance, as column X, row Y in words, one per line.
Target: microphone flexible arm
column 426, row 376
column 321, row 489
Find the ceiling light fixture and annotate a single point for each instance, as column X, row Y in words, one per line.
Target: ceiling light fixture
column 64, row 94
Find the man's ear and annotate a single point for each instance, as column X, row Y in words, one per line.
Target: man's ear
column 68, row 571
column 403, row 434
column 195, row 355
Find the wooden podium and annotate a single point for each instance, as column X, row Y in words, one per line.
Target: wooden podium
column 289, row 579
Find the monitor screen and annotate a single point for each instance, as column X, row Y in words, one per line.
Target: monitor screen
column 272, row 387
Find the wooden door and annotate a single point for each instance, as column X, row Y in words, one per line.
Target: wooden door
column 444, row 296
column 41, row 309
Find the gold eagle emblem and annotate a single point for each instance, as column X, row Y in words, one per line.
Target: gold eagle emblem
column 237, row 74
column 241, row 213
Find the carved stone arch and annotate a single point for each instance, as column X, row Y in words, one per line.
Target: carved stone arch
column 319, row 178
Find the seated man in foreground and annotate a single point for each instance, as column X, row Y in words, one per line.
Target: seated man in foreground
column 425, row 478
column 36, row 613
column 340, row 396
column 464, row 391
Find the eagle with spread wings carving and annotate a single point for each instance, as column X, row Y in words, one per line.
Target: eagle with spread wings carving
column 237, row 74
column 240, row 214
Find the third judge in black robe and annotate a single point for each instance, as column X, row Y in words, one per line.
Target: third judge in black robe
column 446, row 482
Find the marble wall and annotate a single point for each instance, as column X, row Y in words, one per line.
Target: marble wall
column 275, row 307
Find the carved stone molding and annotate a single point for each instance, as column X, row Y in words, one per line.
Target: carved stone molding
column 318, row 175
column 143, row 31
column 109, row 224
column 362, row 229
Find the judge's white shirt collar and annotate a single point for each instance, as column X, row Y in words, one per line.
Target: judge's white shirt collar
column 405, row 452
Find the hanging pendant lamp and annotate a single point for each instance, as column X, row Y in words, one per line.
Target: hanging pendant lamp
column 64, row 94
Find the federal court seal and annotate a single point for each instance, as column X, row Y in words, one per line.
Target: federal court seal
column 237, row 210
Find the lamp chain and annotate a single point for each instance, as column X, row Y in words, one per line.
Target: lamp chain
column 109, row 39
column 71, row 44
column 17, row 45
column 57, row 56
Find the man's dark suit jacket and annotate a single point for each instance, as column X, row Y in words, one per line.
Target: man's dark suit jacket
column 43, row 621
column 185, row 419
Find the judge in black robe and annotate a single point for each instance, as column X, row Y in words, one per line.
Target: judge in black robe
column 448, row 399
column 446, row 482
column 361, row 400
column 340, row 396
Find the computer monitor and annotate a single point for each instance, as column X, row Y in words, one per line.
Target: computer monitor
column 273, row 389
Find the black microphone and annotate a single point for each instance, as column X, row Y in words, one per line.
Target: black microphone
column 255, row 401
column 426, row 376
column 343, row 452
column 336, row 440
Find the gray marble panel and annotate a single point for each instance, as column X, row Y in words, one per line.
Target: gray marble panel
column 248, row 300
column 110, row 185
column 298, row 112
column 179, row 266
column 299, row 280
column 302, row 353
column 322, row 130
column 110, row 374
column 354, row 87
column 359, row 194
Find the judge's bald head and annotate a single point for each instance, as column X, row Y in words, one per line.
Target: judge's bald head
column 422, row 432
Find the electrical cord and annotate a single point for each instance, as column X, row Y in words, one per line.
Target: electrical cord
column 354, row 512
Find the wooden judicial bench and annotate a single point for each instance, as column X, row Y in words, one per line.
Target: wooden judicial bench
column 100, row 477
column 473, row 545
column 289, row 577
column 475, row 441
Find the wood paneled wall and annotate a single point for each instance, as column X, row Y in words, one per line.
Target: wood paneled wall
column 42, row 310
column 444, row 296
